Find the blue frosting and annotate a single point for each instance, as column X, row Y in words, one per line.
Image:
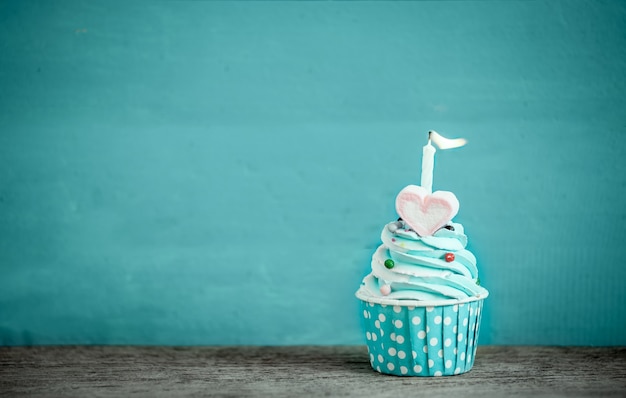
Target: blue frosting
column 420, row 271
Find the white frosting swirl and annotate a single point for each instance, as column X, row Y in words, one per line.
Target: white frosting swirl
column 420, row 270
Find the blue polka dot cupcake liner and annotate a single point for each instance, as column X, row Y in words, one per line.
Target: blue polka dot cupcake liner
column 422, row 341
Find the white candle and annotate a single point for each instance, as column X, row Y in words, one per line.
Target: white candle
column 428, row 164
column 428, row 155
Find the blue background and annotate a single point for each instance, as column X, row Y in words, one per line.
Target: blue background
column 187, row 172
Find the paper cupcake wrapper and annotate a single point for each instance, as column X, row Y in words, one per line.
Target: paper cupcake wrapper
column 422, row 341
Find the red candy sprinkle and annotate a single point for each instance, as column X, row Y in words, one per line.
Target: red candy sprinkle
column 449, row 257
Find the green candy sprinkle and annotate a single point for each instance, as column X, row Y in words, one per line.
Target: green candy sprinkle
column 478, row 281
column 389, row 263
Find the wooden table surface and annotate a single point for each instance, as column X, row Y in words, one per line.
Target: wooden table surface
column 300, row 371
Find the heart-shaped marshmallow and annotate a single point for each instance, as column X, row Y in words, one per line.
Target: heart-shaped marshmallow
column 426, row 212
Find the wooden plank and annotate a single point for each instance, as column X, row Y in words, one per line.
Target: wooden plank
column 300, row 371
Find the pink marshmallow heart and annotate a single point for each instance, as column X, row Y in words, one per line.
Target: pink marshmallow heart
column 426, row 212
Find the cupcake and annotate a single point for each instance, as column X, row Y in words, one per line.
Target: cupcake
column 422, row 301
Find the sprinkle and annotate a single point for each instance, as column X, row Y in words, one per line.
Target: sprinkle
column 389, row 263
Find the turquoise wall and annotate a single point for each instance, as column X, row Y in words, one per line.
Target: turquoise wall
column 188, row 172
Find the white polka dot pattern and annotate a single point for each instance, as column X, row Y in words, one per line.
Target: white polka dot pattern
column 422, row 341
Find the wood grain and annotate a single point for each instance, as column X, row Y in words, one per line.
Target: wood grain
column 300, row 371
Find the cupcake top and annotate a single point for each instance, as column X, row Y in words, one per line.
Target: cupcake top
column 422, row 259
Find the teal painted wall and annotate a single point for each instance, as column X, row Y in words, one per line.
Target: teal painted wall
column 188, row 172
